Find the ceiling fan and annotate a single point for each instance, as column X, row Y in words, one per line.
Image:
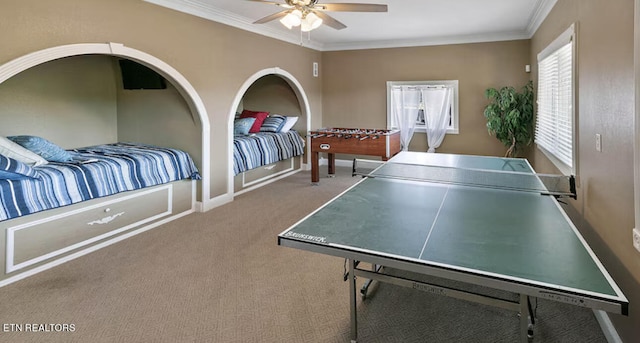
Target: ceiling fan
column 308, row 14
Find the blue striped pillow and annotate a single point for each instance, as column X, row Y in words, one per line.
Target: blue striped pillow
column 11, row 169
column 49, row 151
column 273, row 123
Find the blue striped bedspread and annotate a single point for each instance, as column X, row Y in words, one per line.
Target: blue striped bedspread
column 264, row 148
column 98, row 171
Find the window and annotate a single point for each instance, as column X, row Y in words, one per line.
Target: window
column 555, row 128
column 420, row 123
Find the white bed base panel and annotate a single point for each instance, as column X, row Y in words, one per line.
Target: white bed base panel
column 246, row 183
column 247, row 186
column 143, row 225
column 268, row 181
column 90, row 249
column 10, row 246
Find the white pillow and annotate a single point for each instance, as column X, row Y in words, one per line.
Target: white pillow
column 289, row 124
column 17, row 152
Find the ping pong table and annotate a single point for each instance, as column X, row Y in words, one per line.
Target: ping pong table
column 474, row 232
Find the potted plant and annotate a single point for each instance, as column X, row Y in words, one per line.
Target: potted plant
column 510, row 116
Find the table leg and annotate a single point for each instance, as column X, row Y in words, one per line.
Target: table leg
column 525, row 325
column 352, row 301
column 365, row 288
column 332, row 164
column 315, row 168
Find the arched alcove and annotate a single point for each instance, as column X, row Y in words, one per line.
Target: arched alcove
column 181, row 84
column 296, row 87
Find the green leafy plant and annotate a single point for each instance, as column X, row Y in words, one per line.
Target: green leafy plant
column 509, row 116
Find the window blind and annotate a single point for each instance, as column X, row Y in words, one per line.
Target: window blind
column 554, row 125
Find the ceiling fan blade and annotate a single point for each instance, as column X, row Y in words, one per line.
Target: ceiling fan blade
column 352, row 7
column 329, row 21
column 271, row 3
column 271, row 17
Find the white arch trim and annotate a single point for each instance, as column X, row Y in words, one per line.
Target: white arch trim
column 13, row 67
column 297, row 89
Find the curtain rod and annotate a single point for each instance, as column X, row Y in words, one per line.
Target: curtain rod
column 421, row 87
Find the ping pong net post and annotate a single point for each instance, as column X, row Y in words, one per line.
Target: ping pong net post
column 545, row 184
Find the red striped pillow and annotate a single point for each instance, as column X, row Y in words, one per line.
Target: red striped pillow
column 260, row 116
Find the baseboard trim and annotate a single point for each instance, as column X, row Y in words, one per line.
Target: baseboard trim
column 216, row 202
column 607, row 327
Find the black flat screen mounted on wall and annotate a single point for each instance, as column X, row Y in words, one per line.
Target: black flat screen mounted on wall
column 137, row 76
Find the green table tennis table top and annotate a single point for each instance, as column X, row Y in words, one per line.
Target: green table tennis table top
column 522, row 237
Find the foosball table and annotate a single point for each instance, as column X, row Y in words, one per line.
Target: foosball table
column 375, row 142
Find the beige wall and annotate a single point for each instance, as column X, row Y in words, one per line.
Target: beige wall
column 272, row 93
column 605, row 105
column 216, row 59
column 354, row 86
column 158, row 117
column 71, row 102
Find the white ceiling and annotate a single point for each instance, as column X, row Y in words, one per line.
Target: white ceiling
column 407, row 23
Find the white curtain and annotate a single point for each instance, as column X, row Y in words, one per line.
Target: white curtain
column 437, row 103
column 406, row 101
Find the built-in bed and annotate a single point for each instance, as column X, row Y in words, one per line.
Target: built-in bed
column 61, row 210
column 273, row 149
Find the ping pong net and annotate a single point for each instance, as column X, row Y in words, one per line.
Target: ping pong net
column 546, row 184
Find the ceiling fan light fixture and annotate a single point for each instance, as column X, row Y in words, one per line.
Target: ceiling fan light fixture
column 311, row 15
column 292, row 19
column 310, row 22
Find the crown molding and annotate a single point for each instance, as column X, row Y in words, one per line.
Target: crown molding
column 205, row 11
column 462, row 39
column 541, row 9
column 539, row 14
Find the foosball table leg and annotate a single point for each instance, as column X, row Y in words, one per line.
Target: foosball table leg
column 332, row 165
column 315, row 168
